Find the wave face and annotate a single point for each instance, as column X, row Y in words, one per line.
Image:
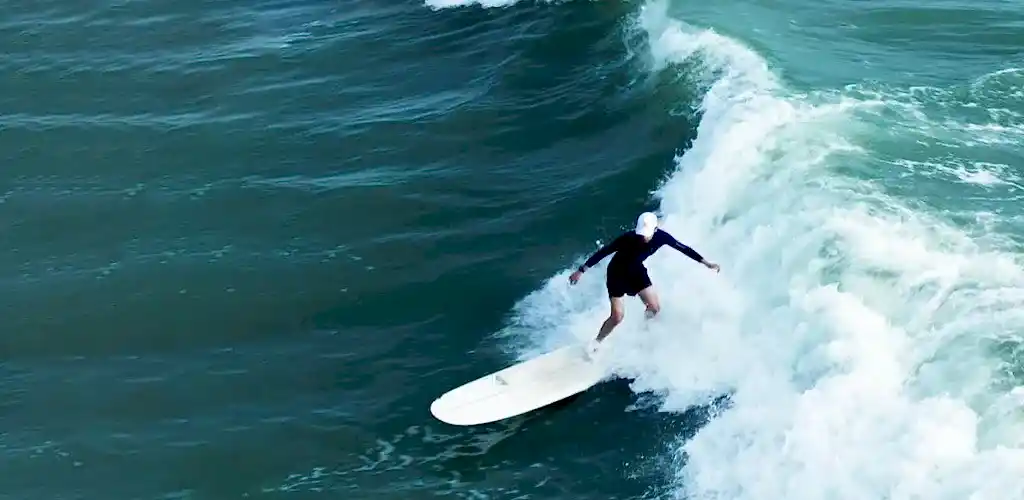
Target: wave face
column 866, row 322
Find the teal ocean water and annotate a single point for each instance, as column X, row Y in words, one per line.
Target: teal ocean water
column 246, row 244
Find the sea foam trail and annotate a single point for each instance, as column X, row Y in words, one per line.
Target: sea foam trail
column 852, row 331
column 446, row 4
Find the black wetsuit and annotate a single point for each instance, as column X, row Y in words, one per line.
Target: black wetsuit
column 626, row 272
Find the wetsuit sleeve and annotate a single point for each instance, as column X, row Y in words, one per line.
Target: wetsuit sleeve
column 601, row 253
column 689, row 252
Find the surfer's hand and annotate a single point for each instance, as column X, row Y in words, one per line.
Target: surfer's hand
column 712, row 265
column 574, row 277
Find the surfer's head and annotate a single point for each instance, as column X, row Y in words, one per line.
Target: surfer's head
column 646, row 224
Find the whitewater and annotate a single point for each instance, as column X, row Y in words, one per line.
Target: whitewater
column 862, row 338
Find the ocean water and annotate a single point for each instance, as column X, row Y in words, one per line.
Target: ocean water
column 247, row 244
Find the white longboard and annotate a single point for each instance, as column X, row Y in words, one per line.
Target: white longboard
column 520, row 388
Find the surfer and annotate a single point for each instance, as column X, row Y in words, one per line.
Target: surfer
column 626, row 272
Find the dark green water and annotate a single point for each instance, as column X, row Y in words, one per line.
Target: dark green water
column 248, row 244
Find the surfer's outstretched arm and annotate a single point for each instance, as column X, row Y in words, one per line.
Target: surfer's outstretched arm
column 600, row 254
column 690, row 252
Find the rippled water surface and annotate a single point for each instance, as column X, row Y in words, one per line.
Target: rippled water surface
column 246, row 245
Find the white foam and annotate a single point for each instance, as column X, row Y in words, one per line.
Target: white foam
column 853, row 332
column 448, row 4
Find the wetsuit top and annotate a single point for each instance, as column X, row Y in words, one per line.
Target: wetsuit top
column 631, row 251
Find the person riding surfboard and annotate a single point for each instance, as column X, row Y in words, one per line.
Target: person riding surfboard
column 627, row 275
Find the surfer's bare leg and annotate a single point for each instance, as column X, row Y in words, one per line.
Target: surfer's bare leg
column 651, row 301
column 618, row 312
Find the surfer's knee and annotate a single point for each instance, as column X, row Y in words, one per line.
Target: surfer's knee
column 651, row 301
column 617, row 315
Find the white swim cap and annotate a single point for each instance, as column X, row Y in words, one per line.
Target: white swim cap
column 646, row 224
